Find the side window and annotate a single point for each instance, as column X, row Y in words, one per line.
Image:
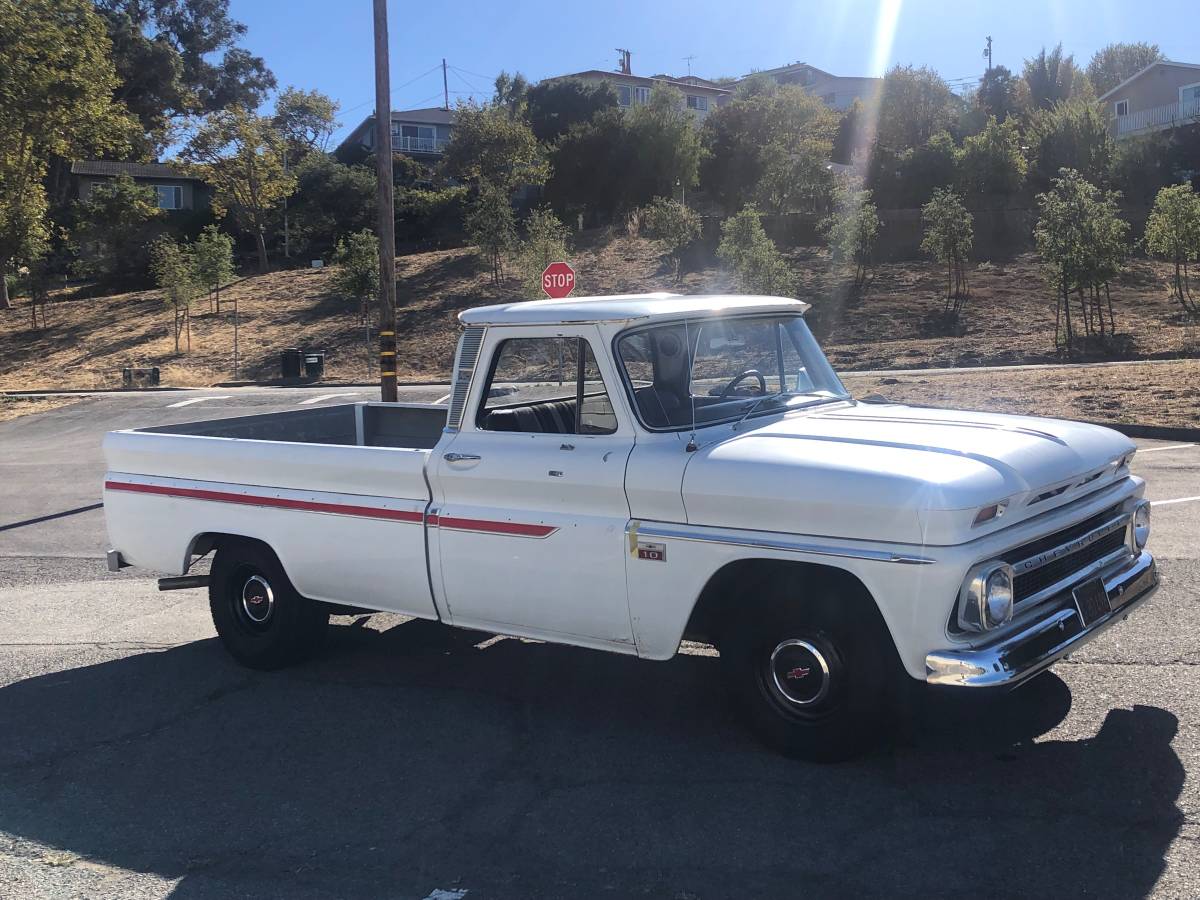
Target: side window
column 544, row 386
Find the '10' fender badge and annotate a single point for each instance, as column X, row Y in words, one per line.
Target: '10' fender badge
column 652, row 552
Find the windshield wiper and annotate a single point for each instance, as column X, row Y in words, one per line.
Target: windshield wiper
column 755, row 405
column 815, row 401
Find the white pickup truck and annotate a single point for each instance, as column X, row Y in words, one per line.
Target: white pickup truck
column 623, row 473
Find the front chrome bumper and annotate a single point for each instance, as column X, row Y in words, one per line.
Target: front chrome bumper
column 1017, row 657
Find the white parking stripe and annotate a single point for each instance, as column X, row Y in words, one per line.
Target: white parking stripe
column 195, row 400
column 440, row 400
column 1176, row 500
column 1172, row 447
column 311, row 400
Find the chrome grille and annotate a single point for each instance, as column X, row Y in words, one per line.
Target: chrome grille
column 464, row 367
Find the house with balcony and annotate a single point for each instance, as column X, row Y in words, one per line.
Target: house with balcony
column 699, row 95
column 835, row 91
column 420, row 133
column 1163, row 95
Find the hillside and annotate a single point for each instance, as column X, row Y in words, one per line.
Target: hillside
column 896, row 323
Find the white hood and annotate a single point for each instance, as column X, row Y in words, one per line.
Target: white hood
column 895, row 473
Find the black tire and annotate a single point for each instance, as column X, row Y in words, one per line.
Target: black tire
column 810, row 674
column 262, row 620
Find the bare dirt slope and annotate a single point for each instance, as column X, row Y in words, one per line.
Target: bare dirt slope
column 896, row 323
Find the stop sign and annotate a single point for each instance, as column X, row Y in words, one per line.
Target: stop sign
column 558, row 280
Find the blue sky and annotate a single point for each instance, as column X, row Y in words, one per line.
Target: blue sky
column 316, row 44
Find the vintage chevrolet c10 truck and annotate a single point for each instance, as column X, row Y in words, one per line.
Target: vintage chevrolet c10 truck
column 622, row 473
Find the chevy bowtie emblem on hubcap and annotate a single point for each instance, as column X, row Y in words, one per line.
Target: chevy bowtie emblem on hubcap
column 799, row 672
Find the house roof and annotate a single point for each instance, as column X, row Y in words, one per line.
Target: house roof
column 111, row 169
column 434, row 115
column 624, row 307
column 1136, row 75
column 681, row 83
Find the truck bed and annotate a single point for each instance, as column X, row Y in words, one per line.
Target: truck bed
column 347, row 478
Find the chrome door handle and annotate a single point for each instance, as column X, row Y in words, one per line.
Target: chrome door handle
column 461, row 457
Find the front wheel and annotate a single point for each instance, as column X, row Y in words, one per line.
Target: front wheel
column 262, row 620
column 809, row 675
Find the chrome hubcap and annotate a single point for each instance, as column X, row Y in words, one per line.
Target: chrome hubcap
column 799, row 673
column 258, row 600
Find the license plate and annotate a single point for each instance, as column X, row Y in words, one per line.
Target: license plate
column 1091, row 599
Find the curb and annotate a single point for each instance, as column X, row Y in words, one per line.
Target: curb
column 1153, row 432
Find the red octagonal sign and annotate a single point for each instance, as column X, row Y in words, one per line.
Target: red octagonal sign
column 558, row 280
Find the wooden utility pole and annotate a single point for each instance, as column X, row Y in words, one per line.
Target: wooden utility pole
column 386, row 202
column 445, row 87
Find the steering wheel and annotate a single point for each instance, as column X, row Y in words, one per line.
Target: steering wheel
column 749, row 373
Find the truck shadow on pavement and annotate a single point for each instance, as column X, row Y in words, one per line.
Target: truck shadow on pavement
column 415, row 758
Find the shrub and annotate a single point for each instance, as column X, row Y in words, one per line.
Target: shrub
column 357, row 273
column 674, row 228
column 852, row 230
column 214, row 260
column 948, row 238
column 492, row 228
column 545, row 242
column 174, row 269
column 752, row 255
column 1173, row 233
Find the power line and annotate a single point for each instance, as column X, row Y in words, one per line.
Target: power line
column 398, row 87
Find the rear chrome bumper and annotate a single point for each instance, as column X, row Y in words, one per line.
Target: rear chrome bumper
column 1017, row 657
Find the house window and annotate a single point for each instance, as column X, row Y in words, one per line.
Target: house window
column 641, row 95
column 624, row 94
column 170, row 196
column 1190, row 94
column 697, row 103
column 420, row 138
column 1122, row 107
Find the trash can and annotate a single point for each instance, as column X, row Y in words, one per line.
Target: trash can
column 132, row 377
column 314, row 364
column 291, row 362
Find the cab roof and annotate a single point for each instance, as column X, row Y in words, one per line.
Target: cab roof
column 625, row 307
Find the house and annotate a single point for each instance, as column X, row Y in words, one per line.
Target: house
column 835, row 91
column 177, row 191
column 419, row 133
column 1163, row 95
column 699, row 95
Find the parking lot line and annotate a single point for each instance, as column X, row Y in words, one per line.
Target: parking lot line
column 312, row 400
column 1176, row 500
column 1172, row 447
column 194, row 400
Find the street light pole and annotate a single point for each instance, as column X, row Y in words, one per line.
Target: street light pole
column 386, row 203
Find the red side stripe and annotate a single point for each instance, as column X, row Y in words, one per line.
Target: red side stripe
column 518, row 529
column 344, row 509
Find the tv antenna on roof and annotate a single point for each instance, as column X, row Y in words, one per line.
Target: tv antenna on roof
column 689, row 62
column 624, row 67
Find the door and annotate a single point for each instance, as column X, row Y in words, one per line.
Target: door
column 530, row 495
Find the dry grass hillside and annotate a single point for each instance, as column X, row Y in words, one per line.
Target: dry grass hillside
column 896, row 323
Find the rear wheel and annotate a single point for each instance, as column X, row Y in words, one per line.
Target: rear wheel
column 810, row 674
column 262, row 620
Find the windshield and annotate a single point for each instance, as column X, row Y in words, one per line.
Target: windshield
column 725, row 369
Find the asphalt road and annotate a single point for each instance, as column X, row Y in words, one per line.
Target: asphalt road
column 136, row 760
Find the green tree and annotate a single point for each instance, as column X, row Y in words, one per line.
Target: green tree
column 545, row 242
column 589, row 164
column 331, row 200
column 179, row 58
column 115, row 226
column 948, row 238
column 746, row 249
column 213, row 257
column 1072, row 135
column 56, row 89
column 240, row 156
column 674, row 228
column 1001, row 94
column 1111, row 65
column 511, row 93
column 1082, row 242
column 306, row 120
column 1053, row 77
column 357, row 274
column 1173, row 233
column 991, row 162
column 666, row 145
column 555, row 105
column 914, row 105
column 762, row 125
column 174, row 271
column 491, row 227
column 795, row 178
column 852, row 230
column 488, row 147
column 907, row 179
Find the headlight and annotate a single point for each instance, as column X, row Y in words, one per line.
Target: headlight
column 1140, row 526
column 986, row 600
